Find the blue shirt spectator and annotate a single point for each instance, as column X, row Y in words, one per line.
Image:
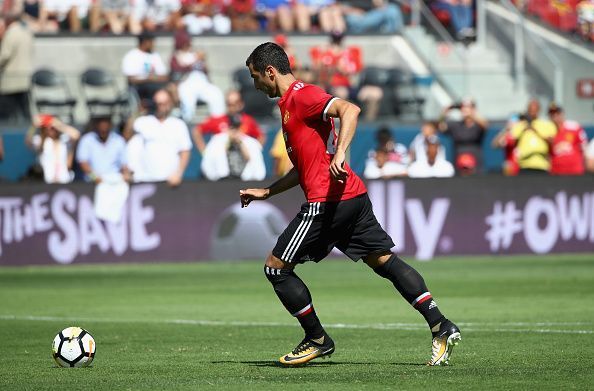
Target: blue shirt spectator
column 102, row 152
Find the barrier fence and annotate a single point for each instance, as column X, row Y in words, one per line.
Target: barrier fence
column 42, row 224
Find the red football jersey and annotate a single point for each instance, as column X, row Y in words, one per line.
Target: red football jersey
column 311, row 139
column 567, row 156
column 221, row 123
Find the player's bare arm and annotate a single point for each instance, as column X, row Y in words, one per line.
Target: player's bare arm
column 348, row 114
column 288, row 181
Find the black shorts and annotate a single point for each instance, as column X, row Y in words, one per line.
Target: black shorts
column 349, row 225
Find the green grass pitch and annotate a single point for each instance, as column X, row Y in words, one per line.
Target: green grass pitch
column 527, row 323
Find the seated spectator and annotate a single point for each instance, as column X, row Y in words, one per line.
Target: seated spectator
column 219, row 124
column 461, row 16
column 432, row 166
column 70, row 15
column 585, row 16
column 418, row 147
column 590, row 157
column 504, row 140
column 54, row 147
column 275, row 14
column 390, row 159
column 36, row 16
column 568, row 146
column 154, row 15
column 243, row 15
column 376, row 16
column 533, row 137
column 281, row 161
column 116, row 16
column 101, row 153
column 188, row 67
column 467, row 133
column 325, row 13
column 204, row 16
column 145, row 70
column 160, row 148
column 336, row 65
column 233, row 154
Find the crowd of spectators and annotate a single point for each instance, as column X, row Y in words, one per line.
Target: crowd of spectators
column 207, row 16
column 570, row 16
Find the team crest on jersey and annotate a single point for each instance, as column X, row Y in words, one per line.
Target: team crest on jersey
column 286, row 117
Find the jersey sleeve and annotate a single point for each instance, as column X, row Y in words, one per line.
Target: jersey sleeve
column 313, row 103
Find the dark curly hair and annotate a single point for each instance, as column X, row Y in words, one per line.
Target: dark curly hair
column 269, row 53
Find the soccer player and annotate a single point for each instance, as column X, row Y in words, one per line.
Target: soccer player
column 337, row 213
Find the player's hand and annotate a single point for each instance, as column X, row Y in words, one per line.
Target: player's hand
column 174, row 180
column 337, row 167
column 248, row 195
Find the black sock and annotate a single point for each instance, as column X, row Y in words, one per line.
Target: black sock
column 295, row 296
column 412, row 287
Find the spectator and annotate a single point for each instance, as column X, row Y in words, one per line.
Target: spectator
column 116, row 16
column 203, row 16
column 533, row 137
column 36, row 15
column 568, row 146
column 390, row 159
column 467, row 133
column 336, row 65
column 281, row 162
column 466, row 164
column 233, row 154
column 275, row 14
column 418, row 147
column 300, row 71
column 326, row 13
column 145, row 70
column 70, row 15
column 243, row 15
column 433, row 166
column 54, row 147
column 16, row 67
column 156, row 15
column 101, row 153
column 504, row 140
column 189, row 68
column 590, row 157
column 585, row 19
column 160, row 149
column 376, row 16
column 214, row 125
column 462, row 16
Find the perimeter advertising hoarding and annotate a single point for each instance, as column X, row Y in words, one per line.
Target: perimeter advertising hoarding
column 41, row 224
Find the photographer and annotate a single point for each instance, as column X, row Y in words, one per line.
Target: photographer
column 53, row 144
column 233, row 154
column 467, row 132
column 533, row 137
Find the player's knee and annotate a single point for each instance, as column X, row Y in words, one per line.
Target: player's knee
column 376, row 260
column 277, row 263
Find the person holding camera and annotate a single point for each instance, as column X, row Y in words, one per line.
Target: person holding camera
column 467, row 132
column 233, row 154
column 533, row 138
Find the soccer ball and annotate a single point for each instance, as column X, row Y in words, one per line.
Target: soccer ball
column 73, row 347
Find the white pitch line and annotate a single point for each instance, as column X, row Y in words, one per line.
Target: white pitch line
column 470, row 327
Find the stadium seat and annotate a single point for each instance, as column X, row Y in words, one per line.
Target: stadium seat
column 102, row 95
column 51, row 95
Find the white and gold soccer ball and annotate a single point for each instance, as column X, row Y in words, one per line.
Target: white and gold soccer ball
column 73, row 347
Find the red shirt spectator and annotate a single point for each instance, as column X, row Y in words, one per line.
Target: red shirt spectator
column 567, row 155
column 335, row 63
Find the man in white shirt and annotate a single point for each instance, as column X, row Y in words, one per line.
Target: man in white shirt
column 145, row 69
column 160, row 149
column 435, row 166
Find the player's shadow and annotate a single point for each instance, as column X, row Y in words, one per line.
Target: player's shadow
column 276, row 364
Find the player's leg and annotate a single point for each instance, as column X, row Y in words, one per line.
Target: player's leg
column 412, row 287
column 298, row 243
